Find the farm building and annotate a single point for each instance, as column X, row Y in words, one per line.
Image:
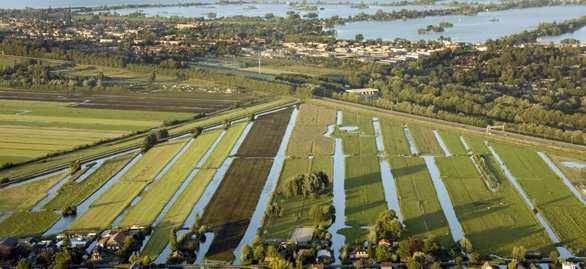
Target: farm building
column 366, row 92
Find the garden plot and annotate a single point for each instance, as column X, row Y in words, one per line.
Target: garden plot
column 153, row 200
column 423, row 216
column 308, row 135
column 562, row 210
column 108, row 206
column 181, row 208
column 493, row 222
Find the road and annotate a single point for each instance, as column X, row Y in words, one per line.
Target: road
column 502, row 135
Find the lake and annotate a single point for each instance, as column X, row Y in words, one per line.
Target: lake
column 229, row 10
column 474, row 29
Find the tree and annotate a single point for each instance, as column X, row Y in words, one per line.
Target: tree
column 518, row 253
column 62, row 260
column 195, row 132
column 383, row 253
column 359, row 38
column 554, row 257
column 246, row 255
column 152, row 76
column 173, row 240
column 74, row 166
column 162, row 134
column 149, row 141
column 23, row 264
column 465, row 245
column 280, row 263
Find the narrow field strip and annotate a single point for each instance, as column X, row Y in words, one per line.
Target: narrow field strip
column 423, row 216
column 425, row 140
column 228, row 213
column 562, row 176
column 495, row 223
column 153, row 200
column 25, row 196
column 562, row 210
column 268, row 189
column 265, row 136
column 388, row 180
column 361, row 121
column 394, row 138
column 181, row 208
column 26, row 223
column 365, row 198
column 453, row 143
column 356, row 145
column 307, row 138
column 105, row 209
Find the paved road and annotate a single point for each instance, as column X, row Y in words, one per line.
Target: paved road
column 518, row 138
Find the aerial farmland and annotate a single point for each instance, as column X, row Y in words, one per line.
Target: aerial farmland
column 217, row 188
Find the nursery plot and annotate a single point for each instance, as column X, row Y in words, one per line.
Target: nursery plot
column 229, row 211
column 265, row 136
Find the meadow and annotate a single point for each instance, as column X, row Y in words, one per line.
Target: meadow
column 24, row 197
column 365, row 198
column 425, row 140
column 422, row 214
column 494, row 222
column 29, row 168
column 452, row 141
column 26, row 223
column 562, row 210
column 31, row 129
column 108, row 206
column 394, row 138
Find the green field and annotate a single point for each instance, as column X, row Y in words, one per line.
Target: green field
column 422, row 214
column 452, row 141
column 365, row 198
column 493, row 222
column 425, row 140
column 25, row 223
column 394, row 138
column 179, row 211
column 105, row 209
column 576, row 175
column 73, row 193
column 31, row 129
column 153, row 200
column 308, row 134
column 295, row 209
column 25, row 196
column 564, row 212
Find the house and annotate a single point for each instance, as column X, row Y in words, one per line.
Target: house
column 384, row 242
column 364, row 92
column 116, row 241
column 358, row 254
column 324, row 256
column 569, row 265
column 8, row 247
